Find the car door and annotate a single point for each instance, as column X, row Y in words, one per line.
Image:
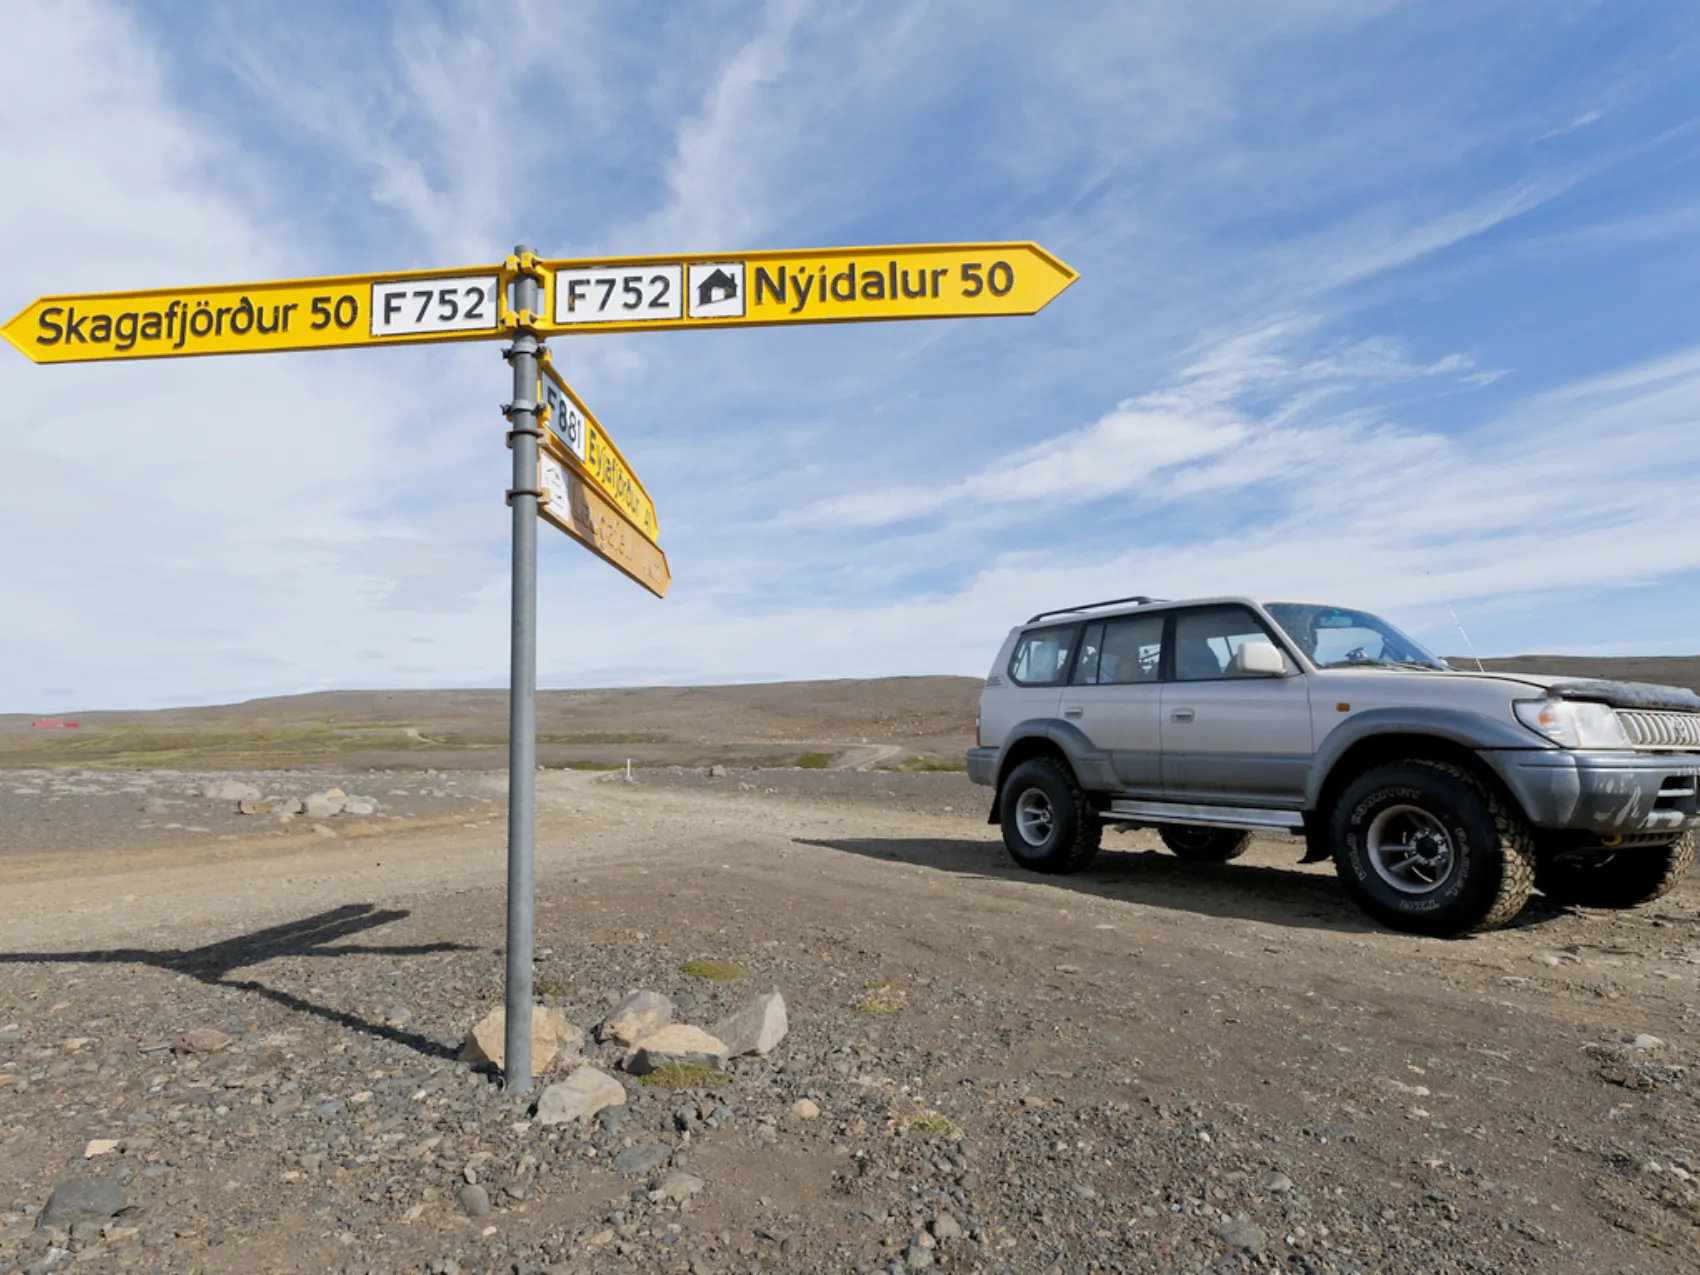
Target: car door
column 1115, row 698
column 1227, row 737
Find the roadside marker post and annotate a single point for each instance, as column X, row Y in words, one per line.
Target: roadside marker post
column 566, row 470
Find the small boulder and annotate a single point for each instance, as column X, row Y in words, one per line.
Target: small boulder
column 677, row 1045
column 805, row 1109
column 946, row 1227
column 754, row 1028
column 322, row 805
column 360, row 806
column 230, row 790
column 1241, row 1233
column 551, row 1034
column 675, row 1188
column 80, row 1202
column 640, row 1014
column 203, row 1040
column 580, row 1096
column 473, row 1199
column 643, row 1159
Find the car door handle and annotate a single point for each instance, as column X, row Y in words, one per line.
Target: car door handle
column 1076, row 711
column 1181, row 715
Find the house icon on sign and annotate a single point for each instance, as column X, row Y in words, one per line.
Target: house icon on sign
column 718, row 286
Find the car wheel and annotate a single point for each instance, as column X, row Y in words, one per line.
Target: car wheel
column 1426, row 847
column 1608, row 878
column 1204, row 845
column 1048, row 825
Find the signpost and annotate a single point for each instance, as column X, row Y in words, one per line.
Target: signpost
column 565, row 467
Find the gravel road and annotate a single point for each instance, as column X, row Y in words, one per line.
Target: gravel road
column 1153, row 1066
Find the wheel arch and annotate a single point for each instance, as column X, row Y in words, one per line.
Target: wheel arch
column 1375, row 749
column 1041, row 737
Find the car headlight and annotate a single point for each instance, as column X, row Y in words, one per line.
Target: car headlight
column 1572, row 723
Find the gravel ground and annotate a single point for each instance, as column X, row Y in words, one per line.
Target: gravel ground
column 52, row 812
column 1153, row 1066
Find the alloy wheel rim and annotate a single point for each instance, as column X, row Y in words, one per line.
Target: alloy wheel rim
column 1034, row 817
column 1410, row 849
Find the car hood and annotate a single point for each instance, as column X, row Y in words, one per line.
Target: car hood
column 1599, row 691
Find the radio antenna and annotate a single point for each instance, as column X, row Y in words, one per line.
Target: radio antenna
column 1466, row 637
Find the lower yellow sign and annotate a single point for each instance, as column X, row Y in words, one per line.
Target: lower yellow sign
column 575, row 435
column 585, row 514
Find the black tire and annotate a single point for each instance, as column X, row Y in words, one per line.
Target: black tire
column 1204, row 845
column 1466, row 862
column 1048, row 825
column 1608, row 878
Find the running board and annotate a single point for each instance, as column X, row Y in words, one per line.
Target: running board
column 1143, row 814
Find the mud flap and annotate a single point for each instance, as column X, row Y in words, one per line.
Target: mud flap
column 1317, row 849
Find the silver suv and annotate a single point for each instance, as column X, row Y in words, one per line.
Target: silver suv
column 1443, row 796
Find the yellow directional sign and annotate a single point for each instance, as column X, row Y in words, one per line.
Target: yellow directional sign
column 584, row 513
column 813, row 285
column 577, row 437
column 252, row 318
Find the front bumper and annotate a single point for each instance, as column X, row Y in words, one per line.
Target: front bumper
column 983, row 765
column 1611, row 793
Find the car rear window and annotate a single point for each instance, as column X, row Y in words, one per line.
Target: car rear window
column 1042, row 657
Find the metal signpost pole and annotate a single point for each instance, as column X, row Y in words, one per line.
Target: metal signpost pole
column 522, row 694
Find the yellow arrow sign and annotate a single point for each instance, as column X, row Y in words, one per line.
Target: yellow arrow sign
column 584, row 513
column 252, row 318
column 575, row 436
column 814, row 285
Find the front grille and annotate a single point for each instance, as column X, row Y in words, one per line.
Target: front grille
column 1648, row 728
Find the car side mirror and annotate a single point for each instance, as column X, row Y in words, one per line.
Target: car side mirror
column 1259, row 659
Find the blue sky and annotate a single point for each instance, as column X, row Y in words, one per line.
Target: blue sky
column 1382, row 303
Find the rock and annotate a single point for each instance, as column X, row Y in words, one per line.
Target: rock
column 100, row 1146
column 945, row 1227
column 157, row 806
column 675, row 1188
column 677, row 1045
column 1241, row 1233
column 917, row 1258
column 551, row 1034
column 1277, row 1182
column 282, row 806
column 1644, row 1041
column 805, row 1109
column 473, row 1199
column 203, row 1040
column 717, row 772
column 754, row 1028
column 322, row 805
column 360, row 806
column 581, row 1095
column 646, row 1158
column 230, row 790
column 80, row 1202
column 640, row 1014
column 325, row 830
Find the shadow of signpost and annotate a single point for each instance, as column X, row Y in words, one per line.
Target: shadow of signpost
column 319, row 935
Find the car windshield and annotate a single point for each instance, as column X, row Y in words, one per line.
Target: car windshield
column 1335, row 637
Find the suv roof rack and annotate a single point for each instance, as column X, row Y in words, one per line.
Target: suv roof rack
column 1138, row 598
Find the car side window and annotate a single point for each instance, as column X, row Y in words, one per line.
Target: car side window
column 1206, row 639
column 1091, row 649
column 1042, row 657
column 1133, row 651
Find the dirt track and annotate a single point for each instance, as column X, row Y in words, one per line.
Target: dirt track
column 1151, row 1066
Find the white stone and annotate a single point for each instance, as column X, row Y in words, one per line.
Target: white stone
column 676, row 1187
column 754, row 1028
column 640, row 1014
column 100, row 1146
column 805, row 1109
column 1644, row 1041
column 676, row 1045
column 551, row 1034
column 580, row 1096
column 322, row 805
column 360, row 806
column 230, row 790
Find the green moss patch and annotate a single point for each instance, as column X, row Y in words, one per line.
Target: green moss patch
column 717, row 971
column 679, row 1076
